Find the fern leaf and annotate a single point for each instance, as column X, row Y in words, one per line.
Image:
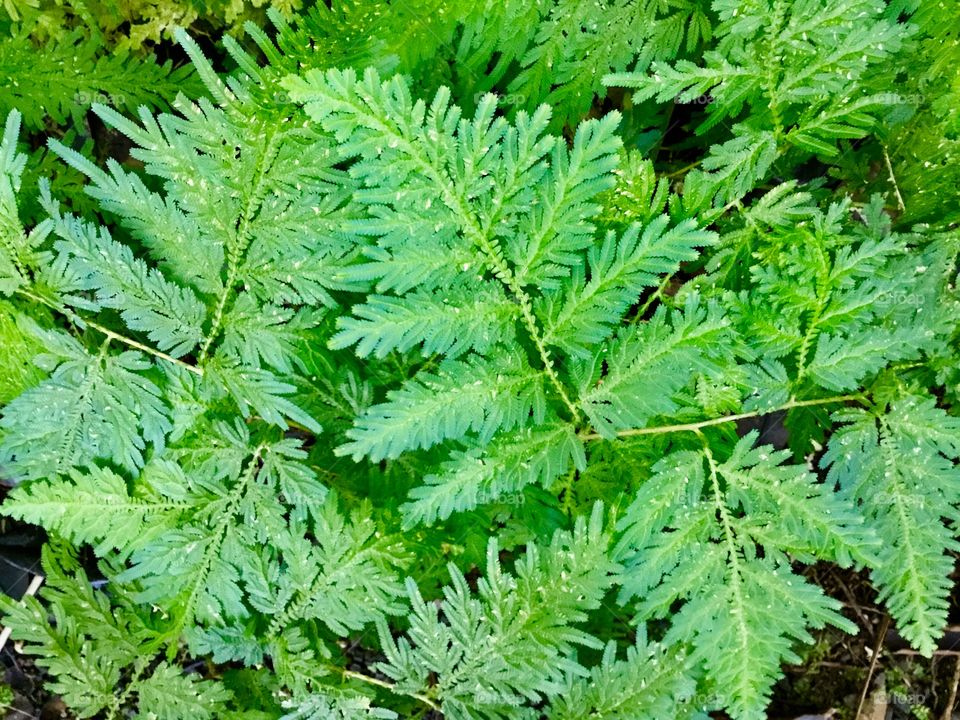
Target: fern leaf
column 485, row 474
column 257, row 335
column 505, row 203
column 233, row 508
column 175, row 239
column 642, row 362
column 472, row 395
column 91, row 406
column 649, row 684
column 618, row 272
column 731, row 169
column 257, row 389
column 170, row 695
column 170, row 315
column 93, row 507
column 346, row 579
column 513, row 641
column 91, row 645
column 62, row 79
column 695, row 526
column 335, row 706
column 899, row 464
column 19, row 250
column 549, row 239
column 840, row 363
column 467, row 316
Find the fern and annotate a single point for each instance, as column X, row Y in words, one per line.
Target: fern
column 480, row 397
column 639, row 384
column 700, row 526
column 790, row 75
column 648, row 683
column 906, row 501
column 63, row 79
column 493, row 652
column 375, row 395
column 486, row 472
column 99, row 651
column 92, row 405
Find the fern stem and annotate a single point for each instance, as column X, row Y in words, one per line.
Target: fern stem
column 696, row 426
column 893, row 180
column 733, row 549
column 388, row 686
column 140, row 346
column 112, row 335
column 770, row 80
column 238, row 246
column 823, row 296
column 530, row 322
column 212, row 550
column 656, row 295
column 683, row 170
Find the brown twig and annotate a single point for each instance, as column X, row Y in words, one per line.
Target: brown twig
column 878, row 643
column 851, row 600
column 948, row 710
column 32, row 588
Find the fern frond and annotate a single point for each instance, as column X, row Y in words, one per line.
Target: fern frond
column 504, row 204
column 649, row 684
column 171, row 316
column 800, row 70
column 62, row 79
column 264, row 334
column 467, row 316
column 96, row 650
column 91, row 406
column 335, row 706
column 19, row 250
column 642, row 364
column 93, row 507
column 346, row 578
column 699, row 531
column 472, row 395
column 170, row 694
column 898, row 463
column 731, row 169
column 513, row 641
column 618, row 271
column 484, row 474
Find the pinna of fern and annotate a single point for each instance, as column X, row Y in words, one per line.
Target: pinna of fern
column 58, row 81
column 555, row 53
column 125, row 638
column 702, row 531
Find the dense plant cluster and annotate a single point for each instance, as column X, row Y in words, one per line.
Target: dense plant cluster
column 402, row 364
